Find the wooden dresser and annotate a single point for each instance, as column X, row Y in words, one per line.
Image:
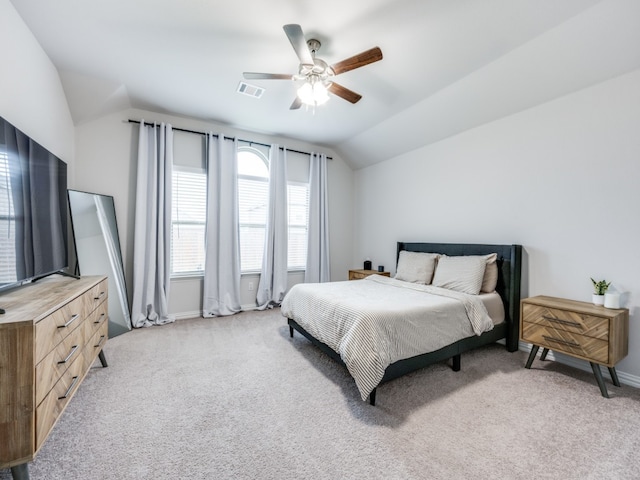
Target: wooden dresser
column 360, row 274
column 593, row 333
column 50, row 335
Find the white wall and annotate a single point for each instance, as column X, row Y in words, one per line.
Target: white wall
column 31, row 94
column 562, row 179
column 106, row 149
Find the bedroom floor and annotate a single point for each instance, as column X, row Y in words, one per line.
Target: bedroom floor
column 236, row 398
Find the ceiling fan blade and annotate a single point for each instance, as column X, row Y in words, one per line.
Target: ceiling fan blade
column 297, row 103
column 298, row 42
column 267, row 76
column 365, row 58
column 348, row 95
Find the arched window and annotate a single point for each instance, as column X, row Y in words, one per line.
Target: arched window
column 252, row 163
column 253, row 201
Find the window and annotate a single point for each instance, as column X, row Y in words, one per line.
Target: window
column 253, row 200
column 298, row 198
column 188, row 220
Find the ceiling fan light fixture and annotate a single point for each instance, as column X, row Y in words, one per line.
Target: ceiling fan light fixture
column 313, row 93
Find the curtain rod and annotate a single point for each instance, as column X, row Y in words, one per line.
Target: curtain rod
column 226, row 138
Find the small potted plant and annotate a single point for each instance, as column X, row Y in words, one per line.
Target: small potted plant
column 599, row 288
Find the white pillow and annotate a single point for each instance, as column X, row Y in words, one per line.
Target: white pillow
column 490, row 279
column 416, row 267
column 463, row 273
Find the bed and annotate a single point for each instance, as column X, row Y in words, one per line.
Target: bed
column 382, row 328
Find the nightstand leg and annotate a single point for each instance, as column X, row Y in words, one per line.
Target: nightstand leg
column 598, row 374
column 532, row 355
column 614, row 376
column 543, row 357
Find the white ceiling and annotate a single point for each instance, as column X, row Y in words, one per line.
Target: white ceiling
column 448, row 65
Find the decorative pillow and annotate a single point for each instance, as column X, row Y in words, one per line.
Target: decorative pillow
column 463, row 274
column 490, row 279
column 416, row 267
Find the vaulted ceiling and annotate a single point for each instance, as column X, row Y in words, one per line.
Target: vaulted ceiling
column 449, row 65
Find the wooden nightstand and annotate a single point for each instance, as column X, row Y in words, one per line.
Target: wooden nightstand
column 596, row 334
column 359, row 274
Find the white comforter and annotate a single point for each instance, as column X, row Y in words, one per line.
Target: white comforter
column 376, row 321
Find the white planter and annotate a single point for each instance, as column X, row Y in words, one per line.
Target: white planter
column 612, row 300
column 597, row 299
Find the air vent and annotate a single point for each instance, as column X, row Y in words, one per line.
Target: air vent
column 250, row 90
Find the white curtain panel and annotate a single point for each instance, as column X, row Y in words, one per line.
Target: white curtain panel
column 318, row 246
column 221, row 290
column 273, row 277
column 151, row 249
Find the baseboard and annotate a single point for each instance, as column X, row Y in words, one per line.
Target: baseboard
column 250, row 307
column 198, row 313
column 626, row 378
column 185, row 315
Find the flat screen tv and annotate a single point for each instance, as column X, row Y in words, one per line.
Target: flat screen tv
column 33, row 209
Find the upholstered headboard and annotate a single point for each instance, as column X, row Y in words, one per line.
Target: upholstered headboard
column 509, row 275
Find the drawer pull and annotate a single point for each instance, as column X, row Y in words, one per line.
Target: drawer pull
column 73, row 350
column 70, row 389
column 99, row 296
column 73, row 318
column 562, row 342
column 99, row 318
column 100, row 342
column 563, row 322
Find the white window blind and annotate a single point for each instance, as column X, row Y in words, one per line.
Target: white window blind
column 188, row 220
column 253, row 201
column 298, row 195
column 7, row 224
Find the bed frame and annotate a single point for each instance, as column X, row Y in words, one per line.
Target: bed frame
column 508, row 287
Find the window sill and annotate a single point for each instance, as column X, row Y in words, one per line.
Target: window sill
column 186, row 276
column 193, row 276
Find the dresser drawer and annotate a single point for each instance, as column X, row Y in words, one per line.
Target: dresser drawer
column 51, row 368
column 51, row 330
column 95, row 344
column 590, row 348
column 54, row 403
column 95, row 297
column 570, row 321
column 95, row 320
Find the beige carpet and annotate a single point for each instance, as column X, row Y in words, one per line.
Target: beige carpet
column 236, row 398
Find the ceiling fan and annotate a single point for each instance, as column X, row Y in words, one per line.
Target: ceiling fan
column 315, row 73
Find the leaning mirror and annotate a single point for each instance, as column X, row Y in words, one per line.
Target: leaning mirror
column 95, row 231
